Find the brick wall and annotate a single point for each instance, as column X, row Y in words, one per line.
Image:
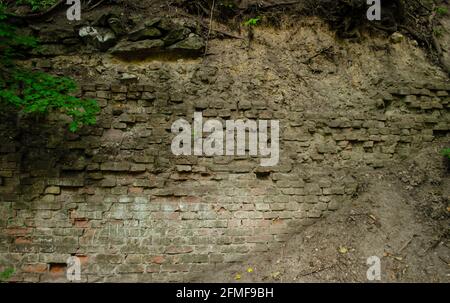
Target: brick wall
column 116, row 197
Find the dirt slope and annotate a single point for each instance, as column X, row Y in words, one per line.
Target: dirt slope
column 401, row 216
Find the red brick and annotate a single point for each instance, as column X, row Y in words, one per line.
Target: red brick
column 173, row 250
column 22, row 240
column 35, row 268
column 83, row 259
column 57, row 268
column 18, row 231
column 158, row 259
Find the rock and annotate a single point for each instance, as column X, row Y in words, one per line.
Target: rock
column 193, row 45
column 113, row 22
column 48, row 35
column 116, row 25
column 176, row 35
column 139, row 49
column 144, row 33
column 166, row 25
column 396, row 38
column 101, row 38
column 152, row 22
column 126, row 77
column 49, row 50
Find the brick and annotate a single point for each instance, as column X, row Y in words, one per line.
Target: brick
column 117, row 88
column 130, row 268
column 35, row 268
column 157, row 260
column 115, row 166
column 108, row 258
column 174, row 250
column 55, row 190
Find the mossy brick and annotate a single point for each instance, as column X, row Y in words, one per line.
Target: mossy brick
column 118, row 88
column 115, row 166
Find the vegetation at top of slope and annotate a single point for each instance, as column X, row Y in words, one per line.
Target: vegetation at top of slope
column 36, row 92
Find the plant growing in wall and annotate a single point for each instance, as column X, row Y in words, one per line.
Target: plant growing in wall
column 37, row 5
column 34, row 91
column 446, row 153
column 6, row 274
column 252, row 22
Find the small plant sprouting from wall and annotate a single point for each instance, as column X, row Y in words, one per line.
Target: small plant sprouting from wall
column 6, row 274
column 37, row 5
column 441, row 11
column 252, row 21
column 446, row 153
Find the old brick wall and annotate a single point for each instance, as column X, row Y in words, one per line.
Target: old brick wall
column 116, row 197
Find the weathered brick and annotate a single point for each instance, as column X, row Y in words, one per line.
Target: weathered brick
column 115, row 166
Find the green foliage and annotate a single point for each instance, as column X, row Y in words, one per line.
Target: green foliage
column 35, row 91
column 37, row 5
column 6, row 274
column 227, row 4
column 11, row 43
column 441, row 10
column 446, row 152
column 252, row 21
column 38, row 92
column 438, row 32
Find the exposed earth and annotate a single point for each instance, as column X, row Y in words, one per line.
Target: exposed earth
column 400, row 216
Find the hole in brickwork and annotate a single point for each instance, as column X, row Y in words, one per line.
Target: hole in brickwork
column 57, row 268
column 440, row 133
column 447, row 164
column 262, row 175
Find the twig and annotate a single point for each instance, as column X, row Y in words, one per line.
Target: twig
column 280, row 4
column 317, row 270
column 443, row 260
column 406, row 244
column 210, row 26
column 317, row 54
column 200, row 21
column 423, row 5
column 95, row 5
column 204, row 9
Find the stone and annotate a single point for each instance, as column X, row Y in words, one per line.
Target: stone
column 112, row 21
column 396, row 38
column 54, row 190
column 176, row 35
column 126, row 77
column 49, row 50
column 115, row 166
column 139, row 49
column 116, row 25
column 101, row 38
column 55, row 35
column 193, row 45
column 144, row 33
column 152, row 22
